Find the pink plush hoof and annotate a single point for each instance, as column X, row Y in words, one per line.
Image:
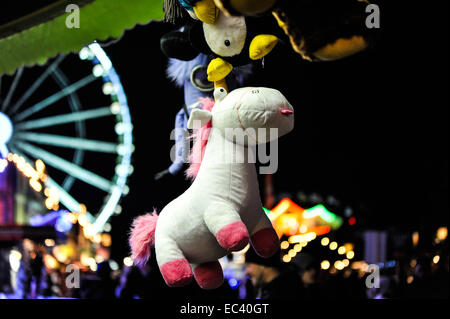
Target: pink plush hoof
column 209, row 275
column 233, row 237
column 265, row 242
column 177, row 273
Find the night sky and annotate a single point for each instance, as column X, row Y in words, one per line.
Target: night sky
column 371, row 130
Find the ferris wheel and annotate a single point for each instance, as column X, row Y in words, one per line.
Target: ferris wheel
column 52, row 119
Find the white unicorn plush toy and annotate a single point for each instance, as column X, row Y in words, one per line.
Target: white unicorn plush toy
column 221, row 211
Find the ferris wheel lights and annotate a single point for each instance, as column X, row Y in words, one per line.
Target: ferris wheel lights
column 119, row 128
column 118, row 210
column 125, row 190
column 98, row 70
column 122, row 128
column 115, row 108
column 97, row 50
column 108, row 88
column 341, row 250
column 86, row 54
column 350, row 254
column 122, row 170
column 107, row 227
column 121, row 149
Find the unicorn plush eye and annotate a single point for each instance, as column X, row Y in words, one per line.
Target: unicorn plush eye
column 220, row 93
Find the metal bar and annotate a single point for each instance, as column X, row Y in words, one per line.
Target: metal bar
column 68, row 141
column 55, row 97
column 64, row 119
column 12, row 89
column 36, row 84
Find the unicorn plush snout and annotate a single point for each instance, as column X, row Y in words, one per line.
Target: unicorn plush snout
column 262, row 114
column 266, row 113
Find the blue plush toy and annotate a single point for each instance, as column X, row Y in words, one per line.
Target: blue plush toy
column 192, row 77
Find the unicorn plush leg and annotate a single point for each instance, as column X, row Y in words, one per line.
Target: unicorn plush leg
column 174, row 267
column 263, row 237
column 226, row 225
column 208, row 275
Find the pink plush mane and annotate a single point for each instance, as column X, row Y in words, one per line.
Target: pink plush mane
column 200, row 140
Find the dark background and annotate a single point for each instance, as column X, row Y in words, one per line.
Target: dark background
column 371, row 130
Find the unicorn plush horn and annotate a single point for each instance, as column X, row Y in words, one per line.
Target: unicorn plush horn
column 221, row 211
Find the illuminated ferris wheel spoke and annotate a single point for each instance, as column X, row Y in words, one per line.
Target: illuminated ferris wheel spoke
column 12, row 89
column 64, row 119
column 66, row 166
column 63, row 196
column 55, row 97
column 36, row 85
column 68, row 142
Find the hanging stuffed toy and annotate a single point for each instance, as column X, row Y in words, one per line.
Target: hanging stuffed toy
column 232, row 41
column 221, row 211
column 319, row 30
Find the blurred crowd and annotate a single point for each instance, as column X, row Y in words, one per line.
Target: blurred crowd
column 423, row 276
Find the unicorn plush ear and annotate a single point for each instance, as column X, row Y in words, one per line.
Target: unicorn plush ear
column 198, row 116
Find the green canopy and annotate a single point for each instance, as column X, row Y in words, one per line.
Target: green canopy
column 43, row 34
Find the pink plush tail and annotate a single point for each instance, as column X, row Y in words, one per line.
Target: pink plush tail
column 142, row 237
